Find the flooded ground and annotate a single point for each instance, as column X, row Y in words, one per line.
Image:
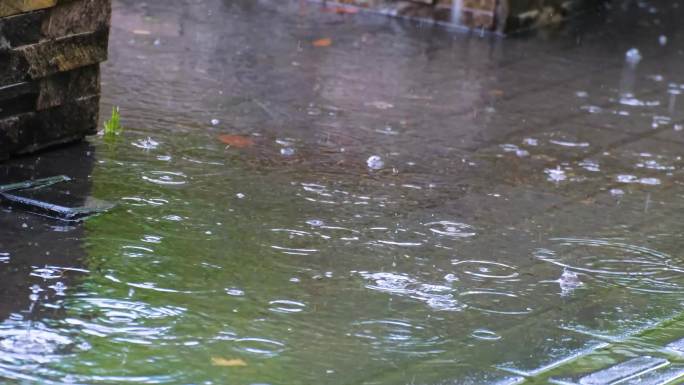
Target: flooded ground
column 311, row 197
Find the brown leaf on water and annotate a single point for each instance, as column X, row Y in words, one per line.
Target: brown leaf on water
column 497, row 93
column 234, row 362
column 237, row 141
column 341, row 10
column 323, row 42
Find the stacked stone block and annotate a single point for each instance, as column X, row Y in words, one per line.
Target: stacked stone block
column 502, row 16
column 50, row 52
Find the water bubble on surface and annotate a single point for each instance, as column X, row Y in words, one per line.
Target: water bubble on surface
column 633, row 56
column 215, row 122
column 662, row 40
column 375, row 162
column 582, row 94
column 616, row 192
column 240, row 195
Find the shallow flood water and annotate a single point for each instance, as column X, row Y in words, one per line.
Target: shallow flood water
column 311, row 197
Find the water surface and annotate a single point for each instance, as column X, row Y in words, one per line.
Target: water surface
column 403, row 205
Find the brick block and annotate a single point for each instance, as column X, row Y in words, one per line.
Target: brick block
column 50, row 52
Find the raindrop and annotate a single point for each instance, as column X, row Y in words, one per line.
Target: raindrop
column 633, row 56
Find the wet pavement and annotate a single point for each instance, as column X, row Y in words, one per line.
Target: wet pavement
column 311, row 197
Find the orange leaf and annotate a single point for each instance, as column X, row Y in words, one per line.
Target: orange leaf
column 238, row 141
column 220, row 361
column 324, row 42
column 341, row 10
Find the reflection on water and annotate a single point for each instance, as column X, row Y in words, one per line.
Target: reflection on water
column 403, row 206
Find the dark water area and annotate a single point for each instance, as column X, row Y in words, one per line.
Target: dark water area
column 310, row 197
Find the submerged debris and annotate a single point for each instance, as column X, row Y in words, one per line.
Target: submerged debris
column 32, row 196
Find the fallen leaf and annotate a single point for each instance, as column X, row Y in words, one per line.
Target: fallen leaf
column 324, row 42
column 341, row 10
column 220, row 361
column 237, row 141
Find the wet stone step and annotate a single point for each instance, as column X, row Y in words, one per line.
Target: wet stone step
column 664, row 376
column 677, row 346
column 51, row 197
column 618, row 373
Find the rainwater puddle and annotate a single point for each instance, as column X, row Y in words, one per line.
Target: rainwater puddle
column 369, row 209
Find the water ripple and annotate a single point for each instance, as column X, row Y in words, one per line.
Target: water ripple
column 632, row 266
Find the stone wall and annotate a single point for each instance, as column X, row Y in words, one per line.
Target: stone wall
column 495, row 15
column 50, row 52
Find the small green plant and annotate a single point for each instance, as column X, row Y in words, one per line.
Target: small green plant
column 113, row 125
